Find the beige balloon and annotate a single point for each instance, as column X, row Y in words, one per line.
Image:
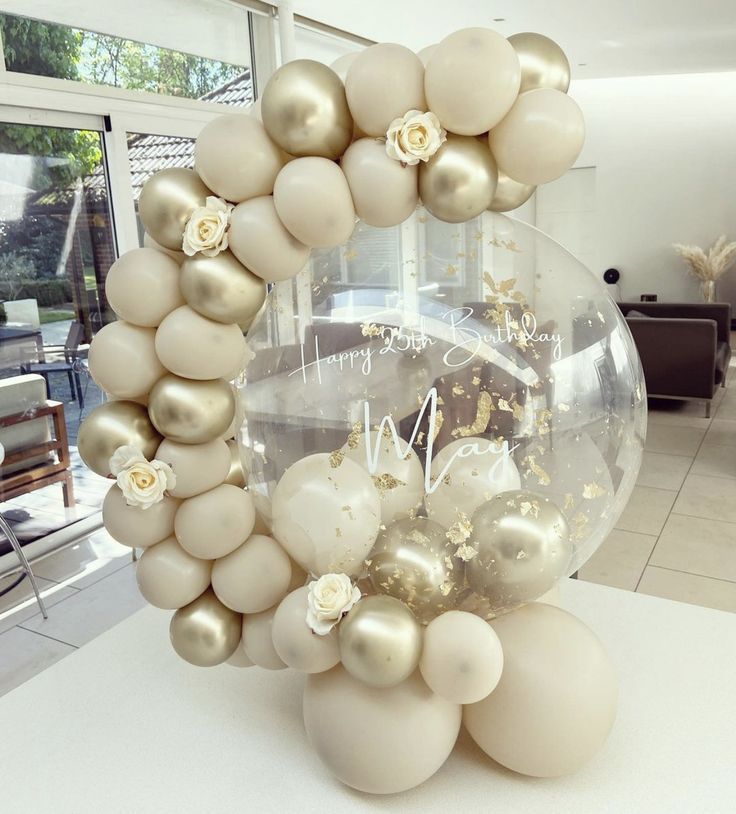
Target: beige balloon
column 169, row 577
column 150, row 243
column 198, row 467
column 191, row 412
column 142, row 287
column 296, row 645
column 215, row 523
column 540, row 138
column 258, row 640
column 167, row 200
column 543, row 62
column 238, row 417
column 235, row 157
column 114, row 425
column 305, row 111
column 195, row 347
column 263, row 244
column 240, row 658
column 123, row 361
column 471, row 80
column 383, row 190
column 426, row 53
column 205, row 633
column 254, row 577
column 136, row 527
column 556, row 701
column 459, row 181
column 313, row 201
column 236, row 474
column 462, row 657
column 406, row 732
column 510, row 194
column 383, row 83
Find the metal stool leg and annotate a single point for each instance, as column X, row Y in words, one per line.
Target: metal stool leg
column 13, row 540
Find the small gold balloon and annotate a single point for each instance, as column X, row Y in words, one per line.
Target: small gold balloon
column 205, row 632
column 510, row 194
column 380, row 641
column 221, row 288
column 543, row 62
column 191, row 411
column 167, row 200
column 413, row 561
column 236, row 474
column 523, row 544
column 305, row 110
column 458, row 182
column 114, row 425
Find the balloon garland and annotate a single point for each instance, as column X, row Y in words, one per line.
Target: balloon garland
column 473, row 123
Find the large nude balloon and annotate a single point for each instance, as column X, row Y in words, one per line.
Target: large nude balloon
column 258, row 640
column 540, row 138
column 556, row 701
column 136, row 527
column 294, row 641
column 342, row 64
column 405, row 734
column 425, row 53
column 167, row 200
column 213, row 524
column 150, row 243
column 123, row 361
column 198, row 467
column 169, row 577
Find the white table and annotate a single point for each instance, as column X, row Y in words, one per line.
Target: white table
column 124, row 726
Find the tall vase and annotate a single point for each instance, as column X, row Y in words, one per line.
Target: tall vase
column 708, row 290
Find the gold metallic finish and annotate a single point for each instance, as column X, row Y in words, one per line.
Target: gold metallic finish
column 510, row 194
column 205, row 632
column 543, row 62
column 236, row 474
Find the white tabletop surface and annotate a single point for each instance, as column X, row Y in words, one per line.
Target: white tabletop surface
column 123, row 726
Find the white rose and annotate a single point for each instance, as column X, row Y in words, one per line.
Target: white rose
column 206, row 229
column 328, row 598
column 414, row 137
column 142, row 482
column 123, row 457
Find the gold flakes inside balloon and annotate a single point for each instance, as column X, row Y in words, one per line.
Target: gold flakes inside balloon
column 466, row 552
column 532, row 466
column 458, row 390
column 386, row 482
column 371, row 329
column 354, row 437
column 336, row 458
column 482, row 417
column 460, row 530
column 593, row 490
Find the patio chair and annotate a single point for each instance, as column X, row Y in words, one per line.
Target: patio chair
column 64, row 358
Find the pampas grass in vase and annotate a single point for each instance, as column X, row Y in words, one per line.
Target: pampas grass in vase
column 708, row 268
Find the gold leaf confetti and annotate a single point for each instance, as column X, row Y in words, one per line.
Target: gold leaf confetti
column 482, row 417
column 460, row 530
column 593, row 490
column 371, row 329
column 465, row 552
column 451, row 270
column 336, row 458
column 355, row 433
column 569, row 501
column 458, row 390
column 386, row 482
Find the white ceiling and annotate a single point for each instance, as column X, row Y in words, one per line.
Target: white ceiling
column 611, row 37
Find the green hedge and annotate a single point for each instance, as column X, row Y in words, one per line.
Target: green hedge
column 45, row 292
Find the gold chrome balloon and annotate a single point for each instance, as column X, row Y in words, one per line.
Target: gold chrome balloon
column 167, row 200
column 221, row 288
column 236, row 474
column 543, row 62
column 305, row 110
column 205, row 632
column 380, row 641
column 191, row 411
column 510, row 194
column 114, row 425
column 523, row 545
column 412, row 560
column 458, row 182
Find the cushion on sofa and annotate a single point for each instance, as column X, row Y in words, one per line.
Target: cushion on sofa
column 723, row 355
column 638, row 314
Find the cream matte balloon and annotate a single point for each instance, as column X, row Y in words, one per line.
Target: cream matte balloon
column 326, row 516
column 254, row 577
column 169, row 577
column 312, row 199
column 136, row 527
column 466, row 473
column 114, row 425
column 384, row 191
column 258, row 640
column 238, row 417
column 342, row 64
column 462, row 657
column 236, row 475
column 380, row 641
column 510, row 194
column 459, row 181
column 150, row 243
column 235, row 157
column 143, row 286
column 405, row 734
column 383, row 83
column 167, row 200
column 262, row 243
column 471, row 80
column 294, row 641
column 205, row 633
column 240, row 658
column 556, row 701
column 191, row 412
column 123, row 361
column 198, row 467
column 305, row 111
column 426, row 53
column 543, row 62
column 540, row 138
column 195, row 347
column 213, row 524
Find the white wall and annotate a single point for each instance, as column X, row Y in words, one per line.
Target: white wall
column 664, row 148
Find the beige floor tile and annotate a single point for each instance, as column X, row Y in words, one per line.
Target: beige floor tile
column 647, row 510
column 696, row 590
column 678, row 414
column 24, row 654
column 727, row 407
column 709, row 497
column 698, row 546
column 721, row 432
column 663, row 471
column 620, row 561
column 718, row 461
column 674, row 440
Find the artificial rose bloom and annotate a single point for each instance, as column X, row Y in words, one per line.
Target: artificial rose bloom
column 415, row 137
column 328, row 598
column 206, row 229
column 142, row 482
column 123, row 457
